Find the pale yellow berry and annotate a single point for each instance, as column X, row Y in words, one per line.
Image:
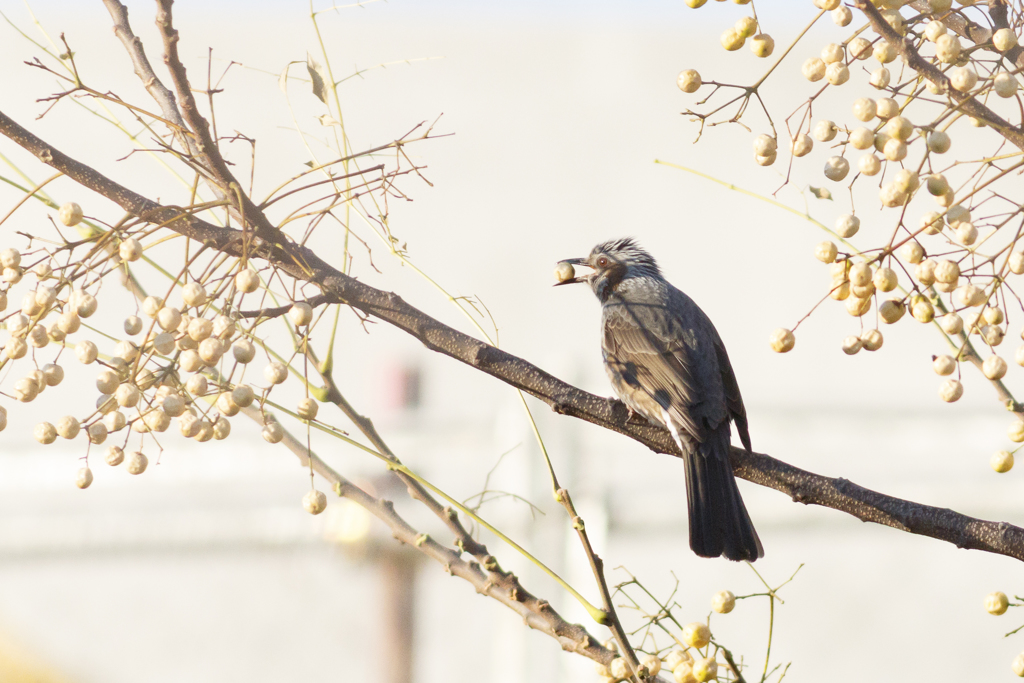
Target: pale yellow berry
column 837, row 74
column 53, row 374
column 1004, row 39
column 891, row 310
column 912, row 252
column 193, row 294
column 106, row 381
column 652, row 664
column 96, row 432
column 947, row 271
column 971, row 295
column 939, row 142
column 114, row 456
column 862, row 138
column 996, row 603
column 723, row 602
column 210, row 350
column 226, row 405
column 869, row 165
column 813, row 70
column 45, row 433
column 782, row 340
column 994, row 367
column 966, row 233
column 301, row 314
column 884, row 52
column 852, row 345
column 947, row 48
column 272, row 432
column 1005, row 85
column 859, row 48
column 802, row 145
column 826, row 251
column 887, row 108
column 276, row 373
column 190, row 361
column 83, row 478
column 1001, row 461
column 1018, row 665
column 696, row 634
column 564, row 271
column 114, row 420
column 847, row 226
column 199, row 329
column 840, row 292
column 894, row 150
column 934, row 29
column 872, row 340
column 1015, row 432
column 169, row 318
column 762, row 45
column 922, row 310
column 879, row 78
column 900, row 128
column 677, row 657
column 314, row 502
column 137, row 463
column 842, row 16
column 951, row 390
column 68, row 427
column 993, row 315
column 963, row 78
column 731, row 39
column 885, row 279
column 247, row 281
column 836, row 168
column 825, row 130
column 688, row 81
column 307, row 408
column 705, row 669
column 242, row 395
column 684, row 673
column 221, row 428
column 860, row 274
column 891, row 195
column 130, row 249
column 833, row 53
column 828, row 6
column 151, row 306
column 70, row 214
column 695, row 3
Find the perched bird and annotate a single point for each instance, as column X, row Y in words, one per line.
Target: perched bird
column 667, row 363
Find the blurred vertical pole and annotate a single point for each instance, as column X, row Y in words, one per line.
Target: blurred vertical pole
column 398, row 575
column 402, row 387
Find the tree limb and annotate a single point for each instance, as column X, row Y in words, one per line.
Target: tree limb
column 302, row 263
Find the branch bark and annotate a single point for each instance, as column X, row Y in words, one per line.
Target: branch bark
column 804, row 487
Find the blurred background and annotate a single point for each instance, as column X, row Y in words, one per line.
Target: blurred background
column 206, row 568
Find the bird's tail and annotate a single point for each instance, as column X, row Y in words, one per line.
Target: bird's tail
column 719, row 523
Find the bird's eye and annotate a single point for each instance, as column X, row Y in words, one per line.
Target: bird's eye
column 602, row 261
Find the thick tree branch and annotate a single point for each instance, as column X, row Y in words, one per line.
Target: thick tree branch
column 301, row 263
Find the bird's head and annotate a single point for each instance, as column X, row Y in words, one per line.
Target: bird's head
column 612, row 262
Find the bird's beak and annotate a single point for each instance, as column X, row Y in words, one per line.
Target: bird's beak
column 573, row 280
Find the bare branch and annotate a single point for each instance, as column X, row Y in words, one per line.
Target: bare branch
column 303, row 264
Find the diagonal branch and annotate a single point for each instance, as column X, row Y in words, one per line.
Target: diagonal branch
column 805, row 487
column 501, row 586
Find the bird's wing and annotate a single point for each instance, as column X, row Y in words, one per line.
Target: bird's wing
column 733, row 399
column 667, row 362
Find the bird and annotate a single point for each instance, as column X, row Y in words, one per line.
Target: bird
column 667, row 363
